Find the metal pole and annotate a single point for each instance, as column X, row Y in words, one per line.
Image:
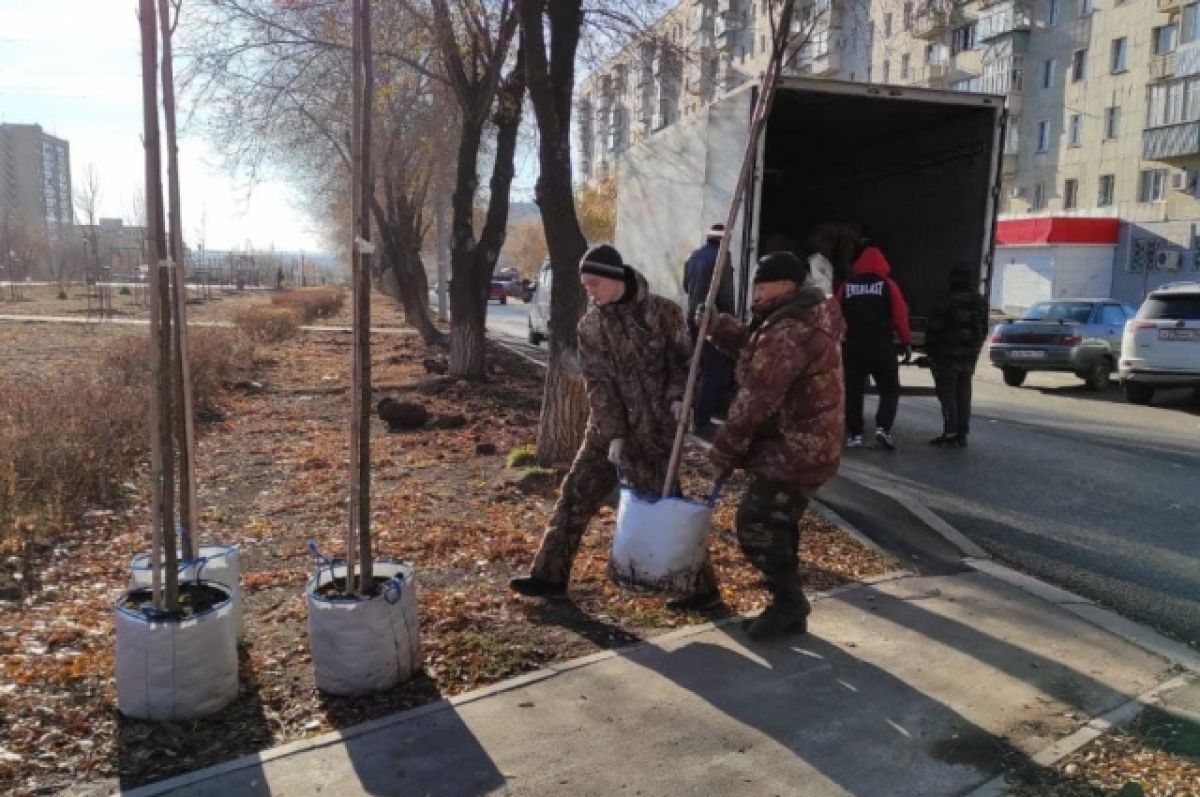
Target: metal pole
column 363, row 298
column 357, row 319
column 762, row 109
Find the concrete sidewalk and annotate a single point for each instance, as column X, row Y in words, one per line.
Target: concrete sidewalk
column 911, row 685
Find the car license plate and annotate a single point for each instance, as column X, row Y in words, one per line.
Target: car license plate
column 1179, row 334
column 1028, row 354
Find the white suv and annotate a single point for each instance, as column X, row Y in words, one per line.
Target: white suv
column 1161, row 347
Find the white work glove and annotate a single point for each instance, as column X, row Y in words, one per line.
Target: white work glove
column 616, row 451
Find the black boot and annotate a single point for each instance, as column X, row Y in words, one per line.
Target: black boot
column 696, row 602
column 779, row 619
column 943, row 441
column 535, row 587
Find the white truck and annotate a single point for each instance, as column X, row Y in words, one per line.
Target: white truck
column 917, row 169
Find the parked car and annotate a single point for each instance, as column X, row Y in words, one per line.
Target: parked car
column 539, row 311
column 1161, row 347
column 497, row 291
column 1079, row 336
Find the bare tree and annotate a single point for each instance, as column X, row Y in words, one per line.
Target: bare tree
column 87, row 201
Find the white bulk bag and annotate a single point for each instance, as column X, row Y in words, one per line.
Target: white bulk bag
column 219, row 563
column 177, row 669
column 366, row 645
column 660, row 543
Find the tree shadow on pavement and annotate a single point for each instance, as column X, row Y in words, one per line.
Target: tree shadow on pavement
column 876, row 731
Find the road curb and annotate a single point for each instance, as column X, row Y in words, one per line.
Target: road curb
column 1095, row 728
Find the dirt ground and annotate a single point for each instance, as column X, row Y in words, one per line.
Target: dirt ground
column 272, row 476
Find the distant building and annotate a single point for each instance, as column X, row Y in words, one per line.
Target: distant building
column 111, row 244
column 35, row 179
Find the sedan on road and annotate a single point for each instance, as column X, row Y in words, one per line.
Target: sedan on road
column 1079, row 336
column 498, row 292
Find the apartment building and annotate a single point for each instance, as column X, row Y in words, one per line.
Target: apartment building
column 35, row 179
column 697, row 52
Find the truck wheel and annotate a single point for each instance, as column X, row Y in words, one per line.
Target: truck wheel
column 1013, row 377
column 1098, row 376
column 534, row 338
column 1138, row 393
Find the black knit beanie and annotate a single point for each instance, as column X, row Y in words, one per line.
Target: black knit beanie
column 603, row 261
column 780, row 266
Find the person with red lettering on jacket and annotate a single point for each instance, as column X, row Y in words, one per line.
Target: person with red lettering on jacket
column 874, row 309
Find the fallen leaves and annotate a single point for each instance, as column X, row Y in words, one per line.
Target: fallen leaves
column 272, row 475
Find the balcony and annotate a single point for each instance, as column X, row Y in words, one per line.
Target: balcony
column 1172, row 143
column 1162, row 67
column 935, row 21
column 1004, row 19
column 819, row 64
column 1187, row 59
column 1170, row 6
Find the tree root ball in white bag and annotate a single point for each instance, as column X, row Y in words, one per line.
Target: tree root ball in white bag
column 219, row 563
column 177, row 667
column 364, row 645
column 660, row 543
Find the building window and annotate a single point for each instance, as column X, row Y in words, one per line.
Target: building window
column 963, row 39
column 1118, row 54
column 904, row 66
column 887, row 71
column 1152, row 184
column 1052, row 17
column 1039, row 196
column 908, row 16
column 1187, row 22
column 1104, row 198
column 1070, row 194
column 1112, row 122
column 1013, row 136
column 1075, row 130
column 1086, row 7
column 1173, row 103
column 1043, row 136
column 1048, row 68
column 1078, row 65
column 887, row 25
column 1164, row 39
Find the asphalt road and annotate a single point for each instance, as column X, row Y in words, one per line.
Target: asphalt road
column 1078, row 488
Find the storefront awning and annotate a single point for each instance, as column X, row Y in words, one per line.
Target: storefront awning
column 1048, row 230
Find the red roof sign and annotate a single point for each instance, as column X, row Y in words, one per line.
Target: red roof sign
column 1047, row 230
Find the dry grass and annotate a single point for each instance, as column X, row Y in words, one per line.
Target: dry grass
column 311, row 304
column 68, row 442
column 266, row 323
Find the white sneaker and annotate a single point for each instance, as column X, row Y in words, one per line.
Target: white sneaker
column 854, row 441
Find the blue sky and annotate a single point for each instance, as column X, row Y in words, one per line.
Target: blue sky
column 73, row 67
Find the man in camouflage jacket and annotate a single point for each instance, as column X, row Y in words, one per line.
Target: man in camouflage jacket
column 785, row 426
column 634, row 348
column 954, row 336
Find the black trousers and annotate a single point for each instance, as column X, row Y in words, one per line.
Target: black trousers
column 880, row 364
column 953, row 383
column 716, row 377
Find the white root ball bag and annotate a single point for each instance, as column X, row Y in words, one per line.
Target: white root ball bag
column 219, row 563
column 660, row 543
column 370, row 645
column 176, row 670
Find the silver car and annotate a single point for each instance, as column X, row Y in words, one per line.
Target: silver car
column 539, row 311
column 1079, row 336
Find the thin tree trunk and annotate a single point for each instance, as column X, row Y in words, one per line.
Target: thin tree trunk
column 468, row 297
column 551, row 84
column 363, row 297
column 356, row 270
column 160, row 314
column 185, row 422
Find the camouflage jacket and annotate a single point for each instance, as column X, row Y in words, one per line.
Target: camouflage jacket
column 635, row 357
column 957, row 328
column 787, row 420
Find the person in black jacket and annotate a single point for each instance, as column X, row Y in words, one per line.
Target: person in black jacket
column 716, row 369
column 875, row 310
column 957, row 328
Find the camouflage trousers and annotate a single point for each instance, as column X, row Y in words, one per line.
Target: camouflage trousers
column 768, row 531
column 591, row 480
